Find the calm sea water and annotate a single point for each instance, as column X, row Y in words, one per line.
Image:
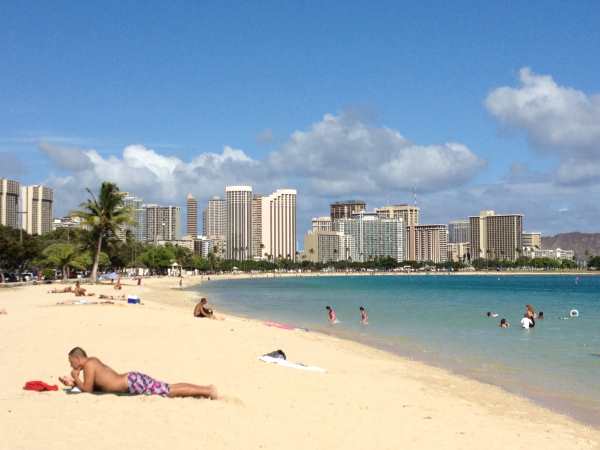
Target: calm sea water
column 441, row 320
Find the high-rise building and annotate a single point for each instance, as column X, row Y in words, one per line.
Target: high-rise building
column 68, row 222
column 532, row 240
column 496, row 236
column 374, row 237
column 9, row 203
column 459, row 231
column 192, row 216
column 322, row 223
column 428, row 243
column 137, row 228
column 408, row 213
column 345, row 209
column 325, row 246
column 257, row 245
column 36, row 208
column 214, row 218
column 279, row 224
column 162, row 223
column 239, row 222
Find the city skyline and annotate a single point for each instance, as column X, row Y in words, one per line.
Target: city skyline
column 396, row 111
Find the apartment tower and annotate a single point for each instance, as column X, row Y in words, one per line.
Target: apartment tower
column 279, row 224
column 162, row 223
column 459, row 231
column 36, row 208
column 257, row 245
column 496, row 236
column 192, row 216
column 9, row 203
column 214, row 218
column 345, row 209
column 239, row 222
column 428, row 243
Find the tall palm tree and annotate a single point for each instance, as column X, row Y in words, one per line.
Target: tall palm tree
column 104, row 215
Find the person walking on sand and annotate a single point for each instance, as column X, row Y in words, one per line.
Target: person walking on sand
column 364, row 316
column 180, row 281
column 331, row 315
column 97, row 376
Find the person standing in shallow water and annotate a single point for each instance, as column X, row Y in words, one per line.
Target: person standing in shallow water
column 364, row 316
column 331, row 315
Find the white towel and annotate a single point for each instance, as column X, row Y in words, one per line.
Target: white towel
column 286, row 363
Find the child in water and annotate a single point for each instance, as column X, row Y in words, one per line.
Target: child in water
column 504, row 323
column 364, row 317
column 331, row 315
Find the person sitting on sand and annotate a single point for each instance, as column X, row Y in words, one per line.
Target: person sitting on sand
column 331, row 314
column 202, row 309
column 504, row 323
column 364, row 316
column 61, row 291
column 97, row 376
column 118, row 286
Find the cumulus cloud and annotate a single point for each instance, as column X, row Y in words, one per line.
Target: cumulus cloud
column 343, row 155
column 558, row 120
column 336, row 157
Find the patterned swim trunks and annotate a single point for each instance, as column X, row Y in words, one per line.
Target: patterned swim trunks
column 139, row 383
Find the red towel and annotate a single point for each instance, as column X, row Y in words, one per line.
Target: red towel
column 39, row 386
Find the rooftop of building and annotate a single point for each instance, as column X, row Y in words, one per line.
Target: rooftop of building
column 348, row 202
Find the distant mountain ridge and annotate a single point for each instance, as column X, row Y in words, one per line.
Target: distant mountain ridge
column 579, row 242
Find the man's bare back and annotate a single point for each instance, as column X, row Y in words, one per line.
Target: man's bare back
column 97, row 376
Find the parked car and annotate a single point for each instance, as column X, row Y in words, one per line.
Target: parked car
column 27, row 276
column 10, row 277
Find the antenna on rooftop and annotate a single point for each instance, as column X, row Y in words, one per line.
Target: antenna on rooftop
column 415, row 195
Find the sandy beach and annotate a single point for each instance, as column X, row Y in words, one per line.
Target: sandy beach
column 367, row 399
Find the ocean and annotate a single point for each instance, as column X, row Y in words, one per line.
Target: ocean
column 442, row 320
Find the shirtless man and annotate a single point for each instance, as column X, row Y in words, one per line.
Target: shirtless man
column 97, row 376
column 202, row 309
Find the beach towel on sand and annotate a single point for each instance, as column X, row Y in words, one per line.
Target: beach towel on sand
column 285, row 363
column 39, row 386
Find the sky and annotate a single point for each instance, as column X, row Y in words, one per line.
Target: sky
column 468, row 105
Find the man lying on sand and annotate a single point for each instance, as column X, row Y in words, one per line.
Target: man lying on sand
column 112, row 297
column 97, row 376
column 60, row 291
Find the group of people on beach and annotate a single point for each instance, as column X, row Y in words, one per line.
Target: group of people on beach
column 527, row 322
column 332, row 316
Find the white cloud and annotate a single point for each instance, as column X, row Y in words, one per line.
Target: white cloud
column 342, row 155
column 558, row 120
column 336, row 157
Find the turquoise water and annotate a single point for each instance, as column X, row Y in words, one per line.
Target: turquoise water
column 441, row 320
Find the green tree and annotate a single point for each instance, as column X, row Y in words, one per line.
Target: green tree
column 65, row 257
column 104, row 215
column 158, row 258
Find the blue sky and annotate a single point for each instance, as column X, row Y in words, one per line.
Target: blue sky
column 189, row 79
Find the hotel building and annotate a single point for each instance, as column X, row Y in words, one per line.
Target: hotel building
column 323, row 246
column 36, row 209
column 532, row 240
column 496, row 236
column 459, row 231
column 278, row 224
column 239, row 222
column 345, row 209
column 373, row 237
column 321, row 223
column 9, row 203
column 192, row 216
column 162, row 223
column 428, row 243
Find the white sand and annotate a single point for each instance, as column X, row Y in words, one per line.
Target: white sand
column 368, row 399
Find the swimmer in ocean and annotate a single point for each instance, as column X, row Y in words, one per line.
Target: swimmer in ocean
column 504, row 323
column 331, row 315
column 491, row 314
column 364, row 317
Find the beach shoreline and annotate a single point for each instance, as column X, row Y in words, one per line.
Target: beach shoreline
column 369, row 398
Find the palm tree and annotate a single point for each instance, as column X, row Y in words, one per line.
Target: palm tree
column 65, row 257
column 104, row 215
